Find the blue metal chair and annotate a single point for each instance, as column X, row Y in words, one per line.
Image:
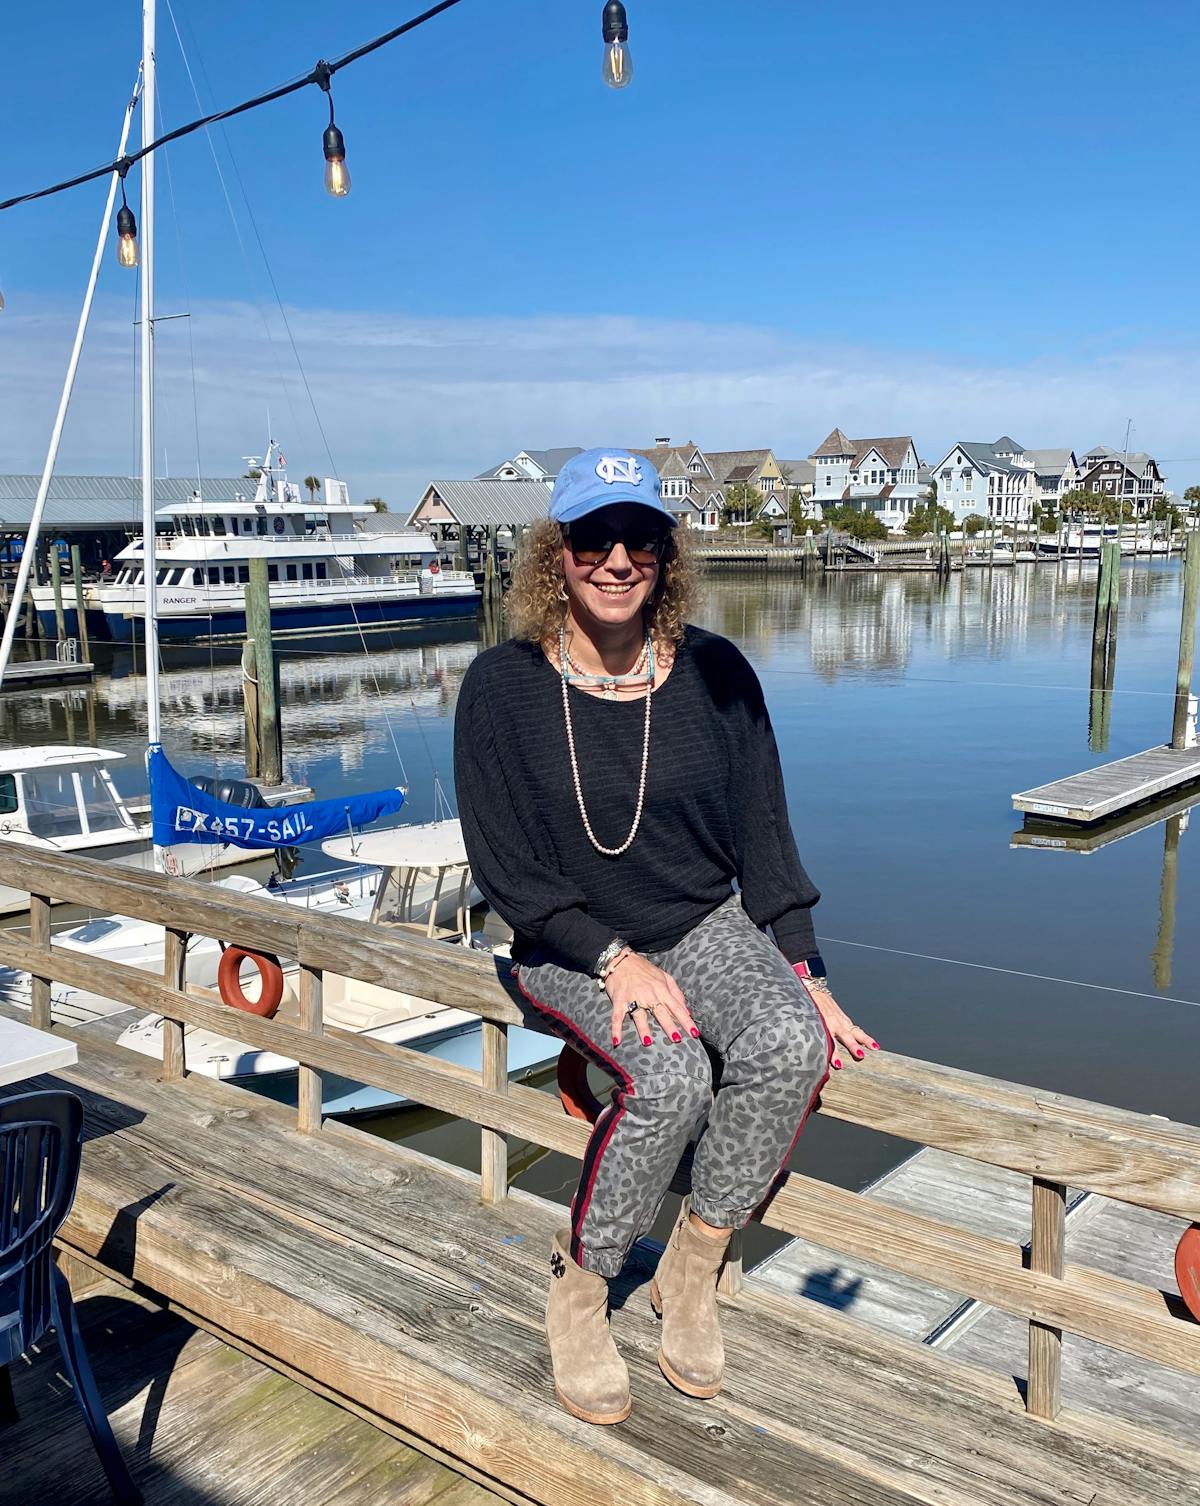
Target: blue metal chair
column 41, row 1135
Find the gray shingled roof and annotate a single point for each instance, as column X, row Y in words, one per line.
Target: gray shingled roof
column 835, row 443
column 481, row 502
column 798, row 472
column 892, row 447
column 736, row 465
column 551, row 461
column 105, row 501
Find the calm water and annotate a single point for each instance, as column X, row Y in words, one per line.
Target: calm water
column 907, row 712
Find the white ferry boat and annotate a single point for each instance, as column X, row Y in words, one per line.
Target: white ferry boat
column 327, row 568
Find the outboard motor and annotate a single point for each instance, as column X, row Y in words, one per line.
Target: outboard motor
column 248, row 795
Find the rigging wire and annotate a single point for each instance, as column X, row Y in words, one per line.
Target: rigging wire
column 319, row 75
column 1013, row 972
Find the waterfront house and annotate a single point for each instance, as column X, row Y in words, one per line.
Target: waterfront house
column 687, row 484
column 1134, row 478
column 757, row 469
column 990, row 480
column 1055, row 473
column 532, row 465
column 872, row 475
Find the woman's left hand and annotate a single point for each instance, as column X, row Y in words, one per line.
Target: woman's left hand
column 846, row 1034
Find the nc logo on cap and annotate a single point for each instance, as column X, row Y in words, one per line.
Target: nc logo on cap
column 612, row 468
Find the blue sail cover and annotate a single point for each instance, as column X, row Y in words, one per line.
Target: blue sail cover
column 183, row 812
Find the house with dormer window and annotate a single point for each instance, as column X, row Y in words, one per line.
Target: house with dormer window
column 873, row 475
column 686, row 483
column 531, row 465
column 990, row 480
column 1132, row 478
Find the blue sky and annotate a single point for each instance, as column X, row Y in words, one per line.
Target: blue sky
column 945, row 220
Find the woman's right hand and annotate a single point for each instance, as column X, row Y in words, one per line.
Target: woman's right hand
column 635, row 979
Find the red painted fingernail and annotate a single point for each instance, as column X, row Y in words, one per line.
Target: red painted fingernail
column 645, row 1040
column 616, row 1040
column 874, row 1045
column 695, row 1032
column 837, row 1061
column 675, row 1035
column 859, row 1055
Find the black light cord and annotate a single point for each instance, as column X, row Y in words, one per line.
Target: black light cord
column 320, row 75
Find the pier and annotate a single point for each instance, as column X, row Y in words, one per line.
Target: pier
column 1113, row 787
column 410, row 1292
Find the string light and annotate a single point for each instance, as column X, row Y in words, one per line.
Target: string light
column 337, row 174
column 618, row 65
column 127, row 246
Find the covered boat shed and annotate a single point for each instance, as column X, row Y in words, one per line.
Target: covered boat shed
column 460, row 513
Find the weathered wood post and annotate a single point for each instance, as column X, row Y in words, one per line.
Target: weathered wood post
column 258, row 629
column 1104, row 646
column 81, row 631
column 39, row 984
column 60, row 622
column 493, row 1148
column 1047, row 1241
column 174, row 976
column 312, row 1017
column 250, row 710
column 1187, row 639
column 31, row 621
column 464, row 547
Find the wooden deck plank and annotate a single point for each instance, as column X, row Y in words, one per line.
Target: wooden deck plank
column 200, row 1423
column 1097, row 793
column 435, row 1318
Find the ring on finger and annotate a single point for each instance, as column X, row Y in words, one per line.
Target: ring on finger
column 631, row 1006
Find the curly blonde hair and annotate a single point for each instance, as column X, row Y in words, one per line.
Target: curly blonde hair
column 536, row 602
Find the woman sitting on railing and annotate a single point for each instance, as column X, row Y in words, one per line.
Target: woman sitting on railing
column 612, row 844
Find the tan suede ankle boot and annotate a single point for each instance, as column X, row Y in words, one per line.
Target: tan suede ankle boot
column 589, row 1375
column 684, row 1295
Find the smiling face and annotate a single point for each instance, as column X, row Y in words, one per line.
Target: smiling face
column 611, row 591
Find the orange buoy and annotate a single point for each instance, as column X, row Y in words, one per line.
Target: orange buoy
column 1187, row 1269
column 573, row 1087
column 229, row 981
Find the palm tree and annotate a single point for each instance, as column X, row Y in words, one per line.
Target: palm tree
column 313, row 486
column 377, row 503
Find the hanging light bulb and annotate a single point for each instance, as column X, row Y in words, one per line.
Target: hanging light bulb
column 337, row 174
column 618, row 65
column 127, row 246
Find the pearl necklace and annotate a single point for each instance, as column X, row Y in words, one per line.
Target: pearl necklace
column 608, row 852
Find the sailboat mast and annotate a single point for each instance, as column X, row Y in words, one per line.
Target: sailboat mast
column 149, row 560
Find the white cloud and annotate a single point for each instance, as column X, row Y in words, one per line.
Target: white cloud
column 403, row 398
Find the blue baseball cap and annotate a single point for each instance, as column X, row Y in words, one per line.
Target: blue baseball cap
column 599, row 478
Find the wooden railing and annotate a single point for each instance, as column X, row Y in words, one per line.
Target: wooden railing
column 1054, row 1140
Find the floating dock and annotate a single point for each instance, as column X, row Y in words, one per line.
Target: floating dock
column 1113, row 787
column 36, row 674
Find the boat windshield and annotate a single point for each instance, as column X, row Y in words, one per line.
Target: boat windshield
column 100, row 806
column 50, row 805
column 8, row 794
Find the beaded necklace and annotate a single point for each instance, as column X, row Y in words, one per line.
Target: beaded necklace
column 648, row 656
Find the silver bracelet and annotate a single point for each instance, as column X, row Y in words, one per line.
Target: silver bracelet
column 607, row 956
column 816, row 985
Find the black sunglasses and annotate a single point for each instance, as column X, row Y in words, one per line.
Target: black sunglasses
column 591, row 540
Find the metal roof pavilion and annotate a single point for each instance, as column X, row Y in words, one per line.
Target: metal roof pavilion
column 105, row 501
column 480, row 503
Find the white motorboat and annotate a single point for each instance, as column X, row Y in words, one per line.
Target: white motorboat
column 327, row 569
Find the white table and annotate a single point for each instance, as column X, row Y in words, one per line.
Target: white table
column 26, row 1052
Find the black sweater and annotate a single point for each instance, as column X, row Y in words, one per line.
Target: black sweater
column 715, row 810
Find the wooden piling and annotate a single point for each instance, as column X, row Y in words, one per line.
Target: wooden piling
column 81, row 631
column 250, row 708
column 1164, row 945
column 60, row 622
column 31, row 621
column 258, row 630
column 1187, row 638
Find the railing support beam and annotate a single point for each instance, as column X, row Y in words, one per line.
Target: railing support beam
column 312, row 1017
column 493, row 1146
column 39, row 985
column 1047, row 1242
column 174, row 976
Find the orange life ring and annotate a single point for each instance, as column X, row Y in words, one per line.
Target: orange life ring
column 434, row 568
column 574, row 1090
column 229, row 981
column 1187, row 1269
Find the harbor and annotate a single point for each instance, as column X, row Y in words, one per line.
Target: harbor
column 319, row 1179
